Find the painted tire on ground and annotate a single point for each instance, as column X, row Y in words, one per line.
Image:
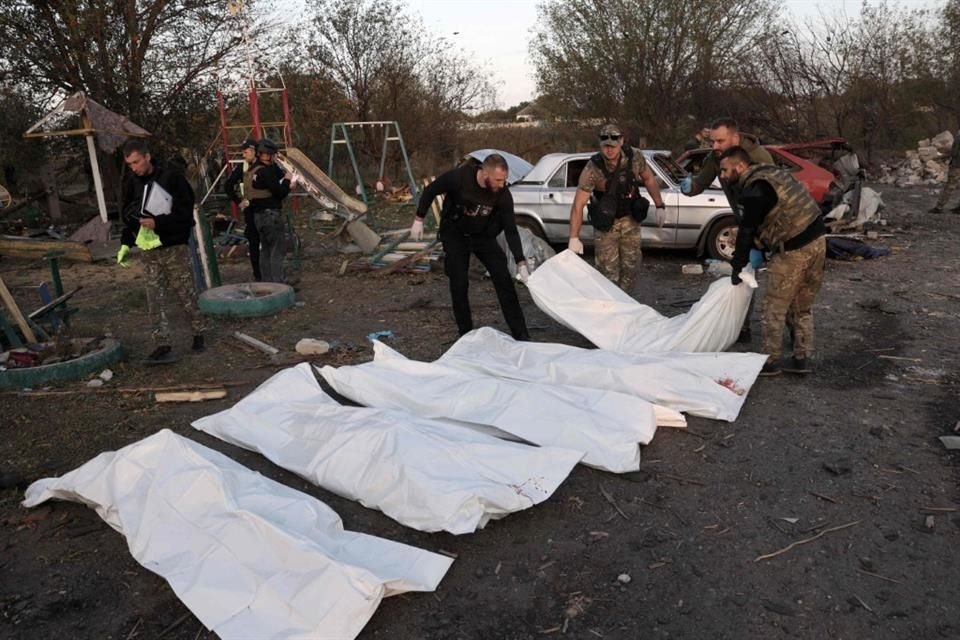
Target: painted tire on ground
column 110, row 351
column 247, row 300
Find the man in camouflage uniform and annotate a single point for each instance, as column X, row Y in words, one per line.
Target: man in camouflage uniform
column 724, row 134
column 157, row 206
column 609, row 181
column 780, row 217
column 953, row 178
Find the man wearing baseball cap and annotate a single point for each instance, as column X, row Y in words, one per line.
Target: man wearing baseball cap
column 609, row 188
column 235, row 190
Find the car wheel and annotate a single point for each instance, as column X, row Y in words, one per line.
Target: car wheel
column 722, row 239
column 532, row 226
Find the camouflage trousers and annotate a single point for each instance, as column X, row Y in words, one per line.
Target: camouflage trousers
column 793, row 280
column 167, row 272
column 617, row 252
column 951, row 186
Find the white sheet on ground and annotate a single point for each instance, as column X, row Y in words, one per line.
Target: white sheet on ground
column 710, row 385
column 249, row 557
column 605, row 426
column 576, row 295
column 425, row 474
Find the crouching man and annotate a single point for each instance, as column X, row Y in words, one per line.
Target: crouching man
column 780, row 217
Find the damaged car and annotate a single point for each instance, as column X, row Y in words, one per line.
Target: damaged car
column 543, row 197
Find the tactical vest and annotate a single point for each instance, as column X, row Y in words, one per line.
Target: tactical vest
column 249, row 192
column 621, row 189
column 795, row 209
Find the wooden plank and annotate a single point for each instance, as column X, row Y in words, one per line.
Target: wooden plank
column 191, row 396
column 413, row 258
column 52, row 304
column 19, row 247
column 437, row 205
column 15, row 312
column 313, row 176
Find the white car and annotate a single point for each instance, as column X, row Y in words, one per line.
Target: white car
column 543, row 197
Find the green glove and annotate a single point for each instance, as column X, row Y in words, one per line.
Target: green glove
column 122, row 255
column 147, row 239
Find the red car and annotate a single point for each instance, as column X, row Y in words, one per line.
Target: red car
column 806, row 160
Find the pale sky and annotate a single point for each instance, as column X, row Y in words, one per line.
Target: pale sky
column 496, row 33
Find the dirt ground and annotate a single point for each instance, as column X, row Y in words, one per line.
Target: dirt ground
column 855, row 443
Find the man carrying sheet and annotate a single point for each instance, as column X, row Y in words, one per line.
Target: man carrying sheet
column 157, row 213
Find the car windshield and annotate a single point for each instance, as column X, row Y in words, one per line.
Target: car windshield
column 670, row 168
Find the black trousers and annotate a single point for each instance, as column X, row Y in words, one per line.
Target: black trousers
column 252, row 234
column 458, row 248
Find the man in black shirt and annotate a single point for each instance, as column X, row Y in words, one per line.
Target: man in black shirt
column 236, row 189
column 157, row 215
column 477, row 206
column 781, row 218
column 269, row 185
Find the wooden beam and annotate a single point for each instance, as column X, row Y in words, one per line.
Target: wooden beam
column 15, row 312
column 191, row 396
column 19, row 247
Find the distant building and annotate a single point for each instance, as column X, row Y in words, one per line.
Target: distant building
column 532, row 113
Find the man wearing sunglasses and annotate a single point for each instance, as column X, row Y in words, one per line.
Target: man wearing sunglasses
column 609, row 188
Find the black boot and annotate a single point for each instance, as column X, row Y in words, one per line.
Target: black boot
column 198, row 344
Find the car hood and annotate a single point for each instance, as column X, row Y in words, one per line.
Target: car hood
column 518, row 166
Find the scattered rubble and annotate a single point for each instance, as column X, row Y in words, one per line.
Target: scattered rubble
column 926, row 165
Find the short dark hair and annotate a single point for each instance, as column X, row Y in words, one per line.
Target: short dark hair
column 495, row 161
column 729, row 123
column 137, row 145
column 738, row 153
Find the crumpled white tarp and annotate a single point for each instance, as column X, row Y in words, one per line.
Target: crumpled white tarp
column 870, row 205
column 605, row 426
column 535, row 250
column 710, row 385
column 248, row 556
column 578, row 296
column 425, row 474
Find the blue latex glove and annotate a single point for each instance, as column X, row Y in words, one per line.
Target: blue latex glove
column 756, row 259
column 686, row 185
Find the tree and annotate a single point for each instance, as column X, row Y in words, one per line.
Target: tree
column 643, row 62
column 389, row 68
column 147, row 59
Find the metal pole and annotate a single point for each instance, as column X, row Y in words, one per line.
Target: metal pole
column 225, row 134
column 406, row 161
column 383, row 155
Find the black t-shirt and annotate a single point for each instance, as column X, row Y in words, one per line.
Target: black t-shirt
column 471, row 209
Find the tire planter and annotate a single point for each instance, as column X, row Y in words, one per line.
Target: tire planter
column 247, row 300
column 109, row 352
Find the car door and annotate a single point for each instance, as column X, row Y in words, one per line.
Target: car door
column 557, row 199
column 653, row 234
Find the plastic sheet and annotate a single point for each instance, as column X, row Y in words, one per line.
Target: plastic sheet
column 575, row 294
column 710, row 385
column 426, row 474
column 535, row 250
column 604, row 425
column 248, row 556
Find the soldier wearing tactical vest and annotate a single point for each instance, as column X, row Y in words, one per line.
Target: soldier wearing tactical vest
column 953, row 179
column 236, row 189
column 608, row 186
column 781, row 218
column 268, row 186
